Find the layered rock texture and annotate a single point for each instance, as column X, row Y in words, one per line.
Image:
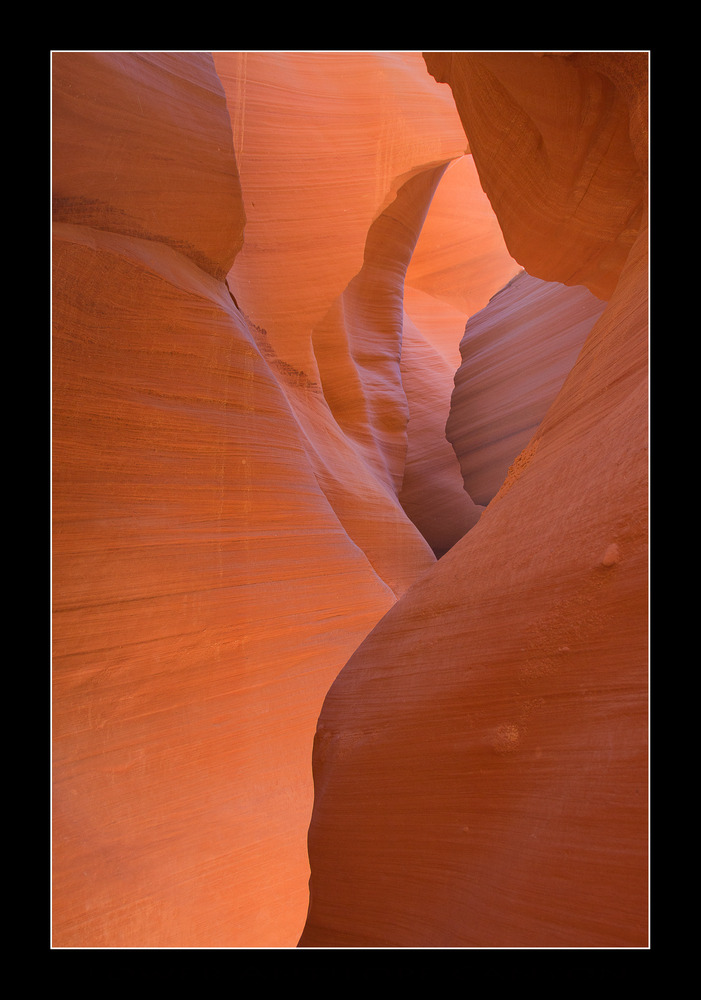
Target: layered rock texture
column 515, row 355
column 349, row 502
column 481, row 761
column 231, row 404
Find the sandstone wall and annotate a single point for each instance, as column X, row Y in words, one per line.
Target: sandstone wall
column 515, row 356
column 263, row 264
column 566, row 172
column 481, row 762
column 227, row 458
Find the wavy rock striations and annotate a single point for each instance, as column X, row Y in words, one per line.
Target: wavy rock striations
column 460, row 259
column 263, row 266
column 555, row 169
column 516, row 353
column 361, row 165
column 480, row 763
column 458, row 263
column 234, row 416
column 137, row 140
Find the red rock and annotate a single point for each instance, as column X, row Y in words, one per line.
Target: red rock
column 187, row 610
column 458, row 263
column 516, row 353
column 194, row 636
column 328, row 138
column 432, row 492
column 362, row 188
column 137, row 139
column 460, row 259
column 553, row 170
column 480, row 763
column 249, row 396
column 221, row 541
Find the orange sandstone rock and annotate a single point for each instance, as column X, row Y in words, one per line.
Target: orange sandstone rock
column 225, row 532
column 193, row 633
column 460, row 259
column 480, row 763
column 339, row 155
column 432, row 493
column 516, row 353
column 324, row 141
column 198, row 620
column 501, row 802
column 244, row 447
column 555, row 169
column 138, row 141
column 458, row 263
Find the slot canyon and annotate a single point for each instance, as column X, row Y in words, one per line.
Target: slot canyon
column 349, row 568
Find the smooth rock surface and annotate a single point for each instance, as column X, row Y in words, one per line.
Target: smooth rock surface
column 364, row 139
column 459, row 261
column 263, row 264
column 226, row 526
column 432, row 492
column 516, row 353
column 555, row 169
column 480, row 764
column 197, row 621
column 324, row 141
column 141, row 146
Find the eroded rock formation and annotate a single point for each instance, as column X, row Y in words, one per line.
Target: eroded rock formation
column 481, row 761
column 231, row 235
column 515, row 355
column 555, row 168
column 263, row 268
column 458, row 262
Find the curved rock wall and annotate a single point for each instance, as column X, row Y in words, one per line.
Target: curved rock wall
column 554, row 169
column 516, row 353
column 263, row 264
column 137, row 139
column 460, row 259
column 458, row 263
column 339, row 160
column 197, row 622
column 226, row 525
column 324, row 141
column 480, row 763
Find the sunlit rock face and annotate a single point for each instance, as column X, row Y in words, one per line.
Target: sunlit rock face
column 480, row 763
column 341, row 191
column 263, row 268
column 460, row 259
column 249, row 459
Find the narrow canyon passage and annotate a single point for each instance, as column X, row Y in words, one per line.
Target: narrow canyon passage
column 349, row 416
